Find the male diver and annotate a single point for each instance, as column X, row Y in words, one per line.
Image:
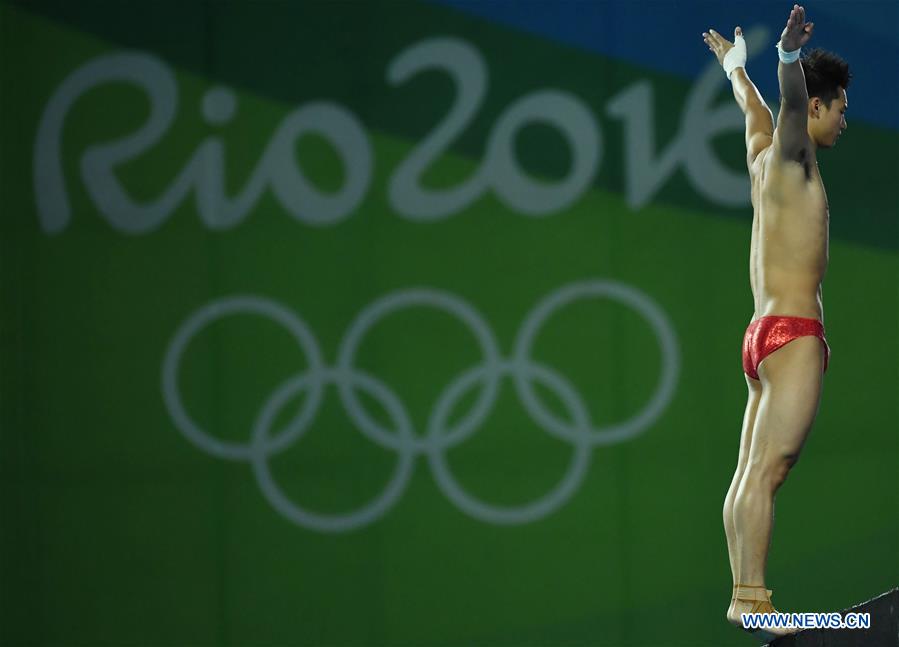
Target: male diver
column 784, row 350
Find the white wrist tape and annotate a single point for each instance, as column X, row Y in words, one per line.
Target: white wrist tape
column 736, row 57
column 787, row 57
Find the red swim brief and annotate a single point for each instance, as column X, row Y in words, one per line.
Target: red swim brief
column 766, row 334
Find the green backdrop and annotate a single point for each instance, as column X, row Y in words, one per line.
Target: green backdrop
column 389, row 324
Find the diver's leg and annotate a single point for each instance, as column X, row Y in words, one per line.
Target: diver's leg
column 754, row 388
column 791, row 388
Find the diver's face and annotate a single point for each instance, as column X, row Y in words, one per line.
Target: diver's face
column 831, row 120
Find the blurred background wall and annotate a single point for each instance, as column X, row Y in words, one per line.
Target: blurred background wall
column 416, row 323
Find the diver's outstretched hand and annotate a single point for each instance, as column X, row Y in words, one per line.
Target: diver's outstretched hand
column 718, row 44
column 797, row 32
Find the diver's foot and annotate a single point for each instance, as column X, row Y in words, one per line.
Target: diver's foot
column 754, row 599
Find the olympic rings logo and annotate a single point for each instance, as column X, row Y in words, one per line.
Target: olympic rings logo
column 439, row 436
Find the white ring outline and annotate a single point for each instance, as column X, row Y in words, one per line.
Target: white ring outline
column 340, row 522
column 216, row 310
column 533, row 510
column 660, row 326
column 404, row 440
column 387, row 305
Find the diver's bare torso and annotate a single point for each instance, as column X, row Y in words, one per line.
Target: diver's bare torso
column 789, row 247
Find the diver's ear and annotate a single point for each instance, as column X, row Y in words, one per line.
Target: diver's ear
column 814, row 106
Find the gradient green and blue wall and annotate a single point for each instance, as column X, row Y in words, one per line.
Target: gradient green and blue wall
column 414, row 324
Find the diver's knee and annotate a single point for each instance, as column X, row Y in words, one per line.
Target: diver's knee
column 771, row 472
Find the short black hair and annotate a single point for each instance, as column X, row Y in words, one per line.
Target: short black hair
column 825, row 73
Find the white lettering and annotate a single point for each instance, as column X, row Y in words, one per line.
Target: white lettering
column 646, row 172
column 204, row 171
column 574, row 120
column 469, row 73
column 645, row 175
